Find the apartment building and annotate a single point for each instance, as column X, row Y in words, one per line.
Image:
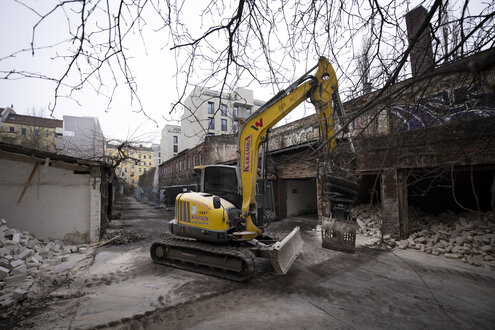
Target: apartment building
column 207, row 113
column 138, row 160
column 30, row 131
column 171, row 142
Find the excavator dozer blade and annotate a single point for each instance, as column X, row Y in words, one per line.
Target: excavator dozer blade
column 283, row 254
column 338, row 235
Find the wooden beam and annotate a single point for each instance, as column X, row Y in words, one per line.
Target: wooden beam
column 27, row 183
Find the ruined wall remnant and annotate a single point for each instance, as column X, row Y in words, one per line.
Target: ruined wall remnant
column 422, row 51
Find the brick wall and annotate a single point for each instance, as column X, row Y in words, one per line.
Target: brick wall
column 179, row 170
column 390, row 202
column 469, row 143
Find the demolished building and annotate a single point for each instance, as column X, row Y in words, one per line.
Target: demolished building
column 426, row 141
column 54, row 196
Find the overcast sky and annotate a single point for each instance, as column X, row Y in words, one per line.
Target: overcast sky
column 153, row 64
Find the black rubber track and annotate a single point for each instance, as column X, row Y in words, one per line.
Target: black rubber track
column 190, row 246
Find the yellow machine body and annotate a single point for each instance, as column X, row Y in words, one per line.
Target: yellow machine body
column 196, row 209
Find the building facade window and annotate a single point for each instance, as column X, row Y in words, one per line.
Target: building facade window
column 11, row 129
column 211, row 108
column 224, row 125
column 211, row 123
column 248, row 112
column 176, row 139
column 236, row 111
column 36, row 132
column 176, row 148
column 223, row 109
column 236, row 126
column 23, row 131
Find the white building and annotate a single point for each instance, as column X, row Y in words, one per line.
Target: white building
column 205, row 113
column 170, row 142
column 157, row 157
column 82, row 138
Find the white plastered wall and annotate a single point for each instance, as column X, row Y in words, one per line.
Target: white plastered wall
column 57, row 203
column 301, row 197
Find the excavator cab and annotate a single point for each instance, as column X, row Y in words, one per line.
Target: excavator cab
column 220, row 180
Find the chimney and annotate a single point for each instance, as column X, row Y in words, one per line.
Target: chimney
column 421, row 53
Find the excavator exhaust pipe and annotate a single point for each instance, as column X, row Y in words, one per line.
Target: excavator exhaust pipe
column 283, row 254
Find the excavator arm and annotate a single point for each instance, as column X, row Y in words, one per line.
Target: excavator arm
column 319, row 88
column 208, row 217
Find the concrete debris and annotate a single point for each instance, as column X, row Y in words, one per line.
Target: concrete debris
column 3, row 272
column 20, row 295
column 7, row 300
column 126, row 236
column 468, row 237
column 14, row 279
column 24, row 257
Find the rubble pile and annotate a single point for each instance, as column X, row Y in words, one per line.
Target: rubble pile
column 469, row 237
column 23, row 257
column 369, row 217
column 119, row 236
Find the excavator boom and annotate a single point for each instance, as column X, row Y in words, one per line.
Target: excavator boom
column 228, row 224
column 319, row 89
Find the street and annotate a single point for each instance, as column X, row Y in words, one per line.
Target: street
column 122, row 289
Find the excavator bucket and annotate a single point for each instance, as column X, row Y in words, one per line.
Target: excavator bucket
column 338, row 234
column 283, row 254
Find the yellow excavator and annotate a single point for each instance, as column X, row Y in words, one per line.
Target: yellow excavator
column 219, row 230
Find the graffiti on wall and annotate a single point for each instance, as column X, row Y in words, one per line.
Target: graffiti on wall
column 452, row 105
column 365, row 124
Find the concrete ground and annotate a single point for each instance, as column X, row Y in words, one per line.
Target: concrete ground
column 371, row 289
